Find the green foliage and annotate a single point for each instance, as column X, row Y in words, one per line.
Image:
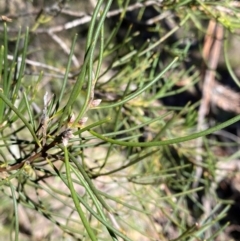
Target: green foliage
column 128, row 172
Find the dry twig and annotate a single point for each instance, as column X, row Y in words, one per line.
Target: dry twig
column 211, row 53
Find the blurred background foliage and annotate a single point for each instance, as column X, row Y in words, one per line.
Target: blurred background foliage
column 119, row 120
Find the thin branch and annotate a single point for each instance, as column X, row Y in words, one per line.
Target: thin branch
column 65, row 48
column 211, row 51
column 39, row 64
column 86, row 18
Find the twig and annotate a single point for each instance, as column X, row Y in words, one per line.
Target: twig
column 85, row 18
column 211, row 51
column 64, row 47
column 39, row 64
